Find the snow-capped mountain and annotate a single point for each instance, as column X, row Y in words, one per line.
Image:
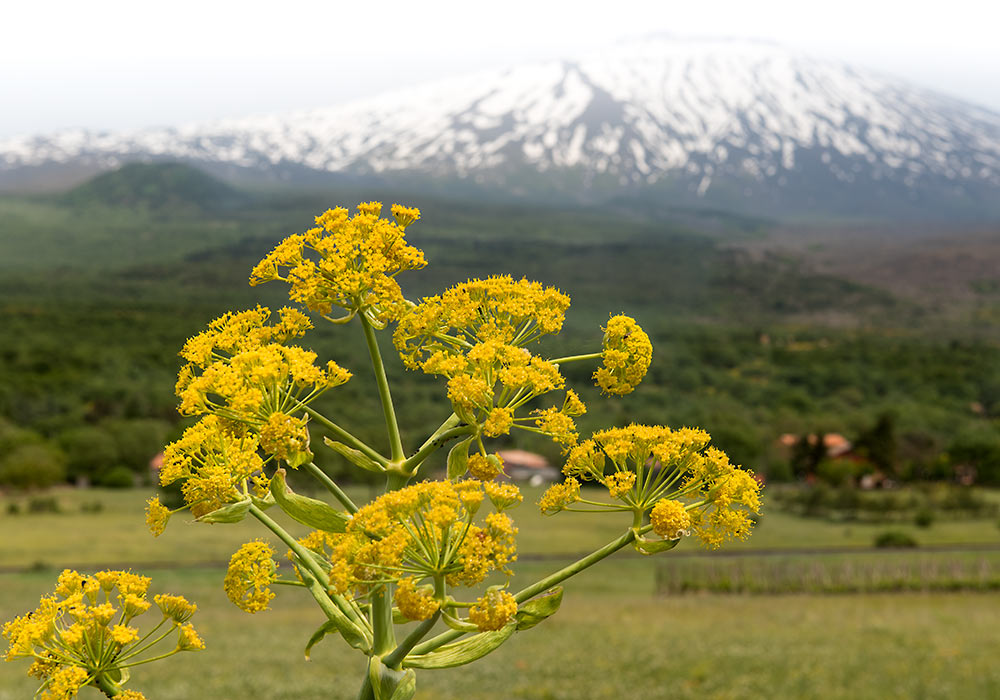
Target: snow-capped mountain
column 735, row 124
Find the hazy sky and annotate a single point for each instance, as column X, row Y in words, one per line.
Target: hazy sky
column 110, row 65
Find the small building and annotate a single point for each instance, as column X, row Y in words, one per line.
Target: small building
column 528, row 467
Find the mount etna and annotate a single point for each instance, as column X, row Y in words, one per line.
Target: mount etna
column 741, row 126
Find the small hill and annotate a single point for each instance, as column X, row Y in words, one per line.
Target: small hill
column 157, row 186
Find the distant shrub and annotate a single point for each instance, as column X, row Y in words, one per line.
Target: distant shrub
column 89, row 450
column 924, row 518
column 893, row 539
column 92, row 507
column 33, row 465
column 43, row 504
column 120, row 477
column 13, row 508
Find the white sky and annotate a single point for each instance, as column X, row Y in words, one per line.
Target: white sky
column 105, row 64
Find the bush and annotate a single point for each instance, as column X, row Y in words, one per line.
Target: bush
column 924, row 518
column 33, row 466
column 120, row 477
column 43, row 504
column 893, row 539
column 90, row 450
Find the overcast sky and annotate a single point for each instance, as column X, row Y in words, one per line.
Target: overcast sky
column 110, row 65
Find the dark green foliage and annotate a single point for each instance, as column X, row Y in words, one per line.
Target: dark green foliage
column 924, row 518
column 834, row 574
column 35, row 465
column 119, row 477
column 169, row 187
column 892, row 539
column 98, row 298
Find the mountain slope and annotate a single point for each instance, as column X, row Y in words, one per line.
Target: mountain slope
column 744, row 126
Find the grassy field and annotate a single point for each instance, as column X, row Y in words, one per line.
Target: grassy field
column 613, row 638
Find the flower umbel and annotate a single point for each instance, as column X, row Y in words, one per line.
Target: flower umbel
column 85, row 633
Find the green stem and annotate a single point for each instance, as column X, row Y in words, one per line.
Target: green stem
column 577, row 358
column 392, row 427
column 394, row 659
column 382, row 627
column 343, row 609
column 438, row 440
column 107, row 686
column 346, row 437
column 332, row 487
column 574, row 568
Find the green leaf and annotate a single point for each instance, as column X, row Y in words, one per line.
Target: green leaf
column 648, row 547
column 326, row 628
column 463, row 652
column 458, row 460
column 231, row 513
column 355, row 457
column 346, row 629
column 263, row 503
column 457, row 624
column 308, row 511
column 389, row 684
column 538, row 609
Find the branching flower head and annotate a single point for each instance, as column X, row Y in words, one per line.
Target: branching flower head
column 240, row 370
column 214, row 462
column 85, row 633
column 349, row 262
column 423, row 531
column 251, row 571
column 626, row 357
column 687, row 485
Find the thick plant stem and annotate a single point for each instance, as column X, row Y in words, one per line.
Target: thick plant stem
column 382, row 627
column 332, row 487
column 394, row 659
column 107, row 686
column 346, row 437
column 395, row 442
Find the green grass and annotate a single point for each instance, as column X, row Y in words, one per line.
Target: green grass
column 613, row 638
column 117, row 533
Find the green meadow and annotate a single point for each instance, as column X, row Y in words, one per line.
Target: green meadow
column 615, row 636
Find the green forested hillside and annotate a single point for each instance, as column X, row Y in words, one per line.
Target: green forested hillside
column 99, row 289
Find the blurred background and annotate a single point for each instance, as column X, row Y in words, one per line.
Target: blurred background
column 800, row 203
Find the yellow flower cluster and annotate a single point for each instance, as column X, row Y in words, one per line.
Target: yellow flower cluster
column 475, row 335
column 215, row 462
column 626, row 357
column 415, row 603
column 493, row 610
column 346, row 261
column 670, row 519
column 251, row 571
column 688, row 485
column 560, row 496
column 425, row 530
column 83, row 632
column 240, row 370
